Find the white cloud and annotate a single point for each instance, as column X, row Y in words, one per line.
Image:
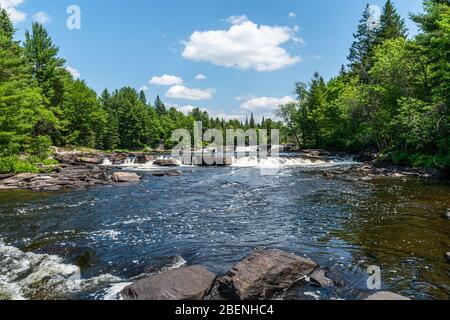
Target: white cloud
column 166, row 80
column 187, row 108
column 244, row 46
column 237, row 19
column 41, row 17
column 262, row 104
column 143, row 88
column 200, row 77
column 11, row 7
column 74, row 72
column 292, row 15
column 182, row 92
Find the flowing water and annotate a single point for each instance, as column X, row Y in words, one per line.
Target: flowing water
column 89, row 244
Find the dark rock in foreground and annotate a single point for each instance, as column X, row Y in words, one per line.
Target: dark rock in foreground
column 385, row 295
column 190, row 283
column 264, row 273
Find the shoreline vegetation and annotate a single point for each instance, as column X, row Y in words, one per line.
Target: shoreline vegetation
column 390, row 102
column 83, row 168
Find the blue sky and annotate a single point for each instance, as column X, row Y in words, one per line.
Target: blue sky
column 251, row 61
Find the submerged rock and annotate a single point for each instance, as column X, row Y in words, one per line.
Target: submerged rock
column 125, row 177
column 264, row 273
column 385, row 295
column 319, row 278
column 189, row 283
column 174, row 173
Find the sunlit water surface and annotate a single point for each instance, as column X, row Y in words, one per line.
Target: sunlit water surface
column 89, row 244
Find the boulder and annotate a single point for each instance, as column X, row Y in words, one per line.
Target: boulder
column 447, row 215
column 91, row 160
column 319, row 279
column 166, row 162
column 385, row 295
column 125, row 177
column 189, row 283
column 264, row 273
column 144, row 159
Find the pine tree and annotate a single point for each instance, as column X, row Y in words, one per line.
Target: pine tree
column 160, row 107
column 6, row 26
column 252, row 121
column 392, row 25
column 361, row 48
column 142, row 97
column 47, row 67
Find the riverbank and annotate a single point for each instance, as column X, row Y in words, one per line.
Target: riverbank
column 76, row 169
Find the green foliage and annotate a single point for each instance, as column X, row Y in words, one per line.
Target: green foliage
column 40, row 147
column 14, row 164
column 392, row 26
column 394, row 98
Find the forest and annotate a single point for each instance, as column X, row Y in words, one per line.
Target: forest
column 391, row 99
column 42, row 105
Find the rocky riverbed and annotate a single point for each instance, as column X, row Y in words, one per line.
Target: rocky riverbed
column 261, row 275
column 84, row 169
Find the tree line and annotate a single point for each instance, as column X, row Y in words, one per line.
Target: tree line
column 42, row 104
column 392, row 98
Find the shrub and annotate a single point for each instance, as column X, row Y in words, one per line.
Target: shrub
column 17, row 165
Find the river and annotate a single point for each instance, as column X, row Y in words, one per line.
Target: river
column 88, row 244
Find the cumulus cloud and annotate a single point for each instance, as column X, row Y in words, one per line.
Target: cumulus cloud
column 264, row 104
column 11, row 7
column 41, row 17
column 244, row 46
column 200, row 77
column 74, row 72
column 182, row 92
column 291, row 15
column 166, row 80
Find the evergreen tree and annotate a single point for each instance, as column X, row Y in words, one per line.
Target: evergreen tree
column 47, row 67
column 142, row 97
column 6, row 26
column 159, row 106
column 252, row 121
column 361, row 48
column 392, row 25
